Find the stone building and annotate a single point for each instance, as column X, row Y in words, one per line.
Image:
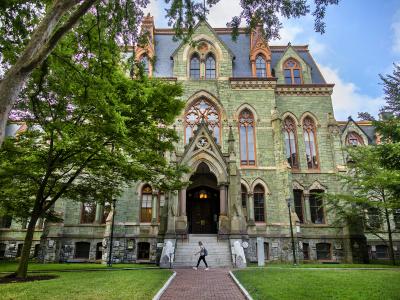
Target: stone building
column 258, row 129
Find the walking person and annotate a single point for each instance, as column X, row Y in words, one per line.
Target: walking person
column 203, row 253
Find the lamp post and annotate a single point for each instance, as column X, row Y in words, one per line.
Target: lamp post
column 109, row 264
column 289, row 201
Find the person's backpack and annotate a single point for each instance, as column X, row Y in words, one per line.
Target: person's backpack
column 205, row 252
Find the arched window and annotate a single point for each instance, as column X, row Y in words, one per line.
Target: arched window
column 145, row 210
column 354, row 139
column 259, row 203
column 210, row 67
column 292, row 73
column 88, row 214
column 247, row 143
column 261, row 67
column 310, row 140
column 299, row 204
column 144, row 60
column 195, row 67
column 316, row 207
column 289, row 132
column 244, row 195
column 202, row 110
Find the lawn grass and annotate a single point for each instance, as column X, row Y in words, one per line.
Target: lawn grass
column 282, row 284
column 131, row 284
column 12, row 266
column 320, row 265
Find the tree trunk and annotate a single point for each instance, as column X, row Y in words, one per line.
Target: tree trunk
column 43, row 41
column 26, row 249
column 391, row 251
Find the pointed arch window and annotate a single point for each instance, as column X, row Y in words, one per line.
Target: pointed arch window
column 195, row 67
column 145, row 208
column 289, row 132
column 144, row 60
column 202, row 110
column 210, row 67
column 292, row 72
column 354, row 139
column 261, row 67
column 259, row 203
column 247, row 138
column 310, row 140
column 244, row 195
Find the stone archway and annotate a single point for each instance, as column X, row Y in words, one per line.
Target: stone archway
column 203, row 201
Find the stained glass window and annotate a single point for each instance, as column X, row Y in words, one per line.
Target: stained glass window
column 202, row 111
column 247, row 143
column 289, row 132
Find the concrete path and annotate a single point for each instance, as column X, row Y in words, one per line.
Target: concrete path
column 200, row 284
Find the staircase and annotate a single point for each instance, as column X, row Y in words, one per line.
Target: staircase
column 219, row 252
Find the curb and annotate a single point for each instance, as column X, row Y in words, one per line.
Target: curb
column 166, row 285
column 241, row 287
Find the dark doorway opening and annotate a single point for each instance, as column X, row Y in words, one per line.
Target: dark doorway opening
column 202, row 202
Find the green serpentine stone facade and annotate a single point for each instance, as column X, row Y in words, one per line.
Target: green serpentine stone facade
column 218, row 166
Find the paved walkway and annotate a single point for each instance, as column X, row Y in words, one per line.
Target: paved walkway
column 200, row 284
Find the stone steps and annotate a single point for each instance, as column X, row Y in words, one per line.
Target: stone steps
column 219, row 253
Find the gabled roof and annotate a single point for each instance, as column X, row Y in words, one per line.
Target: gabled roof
column 213, row 32
column 365, row 127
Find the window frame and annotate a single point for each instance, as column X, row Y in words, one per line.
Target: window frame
column 288, row 128
column 191, row 69
column 318, row 251
column 259, row 207
column 84, row 219
column 352, row 135
column 146, row 211
column 247, row 162
column 291, row 69
column 206, row 69
column 310, row 129
column 263, row 64
column 302, row 218
column 314, row 195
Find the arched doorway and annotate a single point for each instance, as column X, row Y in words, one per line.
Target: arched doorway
column 202, row 205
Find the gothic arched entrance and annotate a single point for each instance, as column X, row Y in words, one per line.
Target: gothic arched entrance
column 203, row 204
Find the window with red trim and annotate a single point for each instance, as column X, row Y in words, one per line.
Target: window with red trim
column 354, row 139
column 259, row 203
column 247, row 138
column 261, row 67
column 310, row 140
column 289, row 132
column 146, row 199
column 292, row 72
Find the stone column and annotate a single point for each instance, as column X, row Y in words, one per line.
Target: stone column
column 307, row 211
column 250, row 209
column 182, row 203
column 99, row 213
column 154, row 208
column 222, row 200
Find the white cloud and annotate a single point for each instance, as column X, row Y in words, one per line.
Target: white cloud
column 154, row 8
column 289, row 33
column 222, row 13
column 396, row 36
column 347, row 98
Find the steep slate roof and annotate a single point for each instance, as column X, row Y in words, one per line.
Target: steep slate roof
column 364, row 126
column 165, row 46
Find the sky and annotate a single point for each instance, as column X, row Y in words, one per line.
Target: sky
column 362, row 40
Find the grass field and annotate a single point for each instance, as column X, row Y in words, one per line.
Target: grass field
column 12, row 266
column 130, row 284
column 274, row 283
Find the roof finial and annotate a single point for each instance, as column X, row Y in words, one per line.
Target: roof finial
column 204, row 10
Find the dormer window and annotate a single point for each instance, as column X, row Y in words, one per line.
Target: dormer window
column 354, row 139
column 195, row 67
column 261, row 67
column 292, row 72
column 210, row 67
